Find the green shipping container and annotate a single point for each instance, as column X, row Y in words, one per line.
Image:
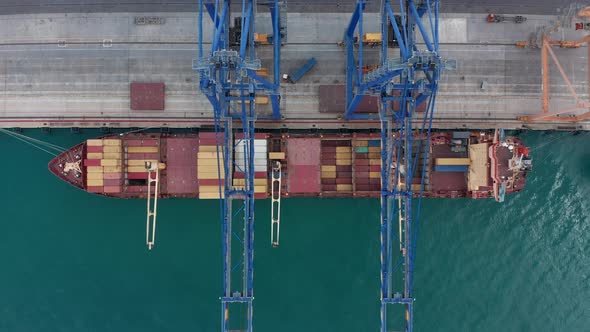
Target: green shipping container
column 361, row 149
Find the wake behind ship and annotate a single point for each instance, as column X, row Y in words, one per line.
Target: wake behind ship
column 458, row 164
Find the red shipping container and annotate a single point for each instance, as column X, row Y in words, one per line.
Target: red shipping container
column 329, row 143
column 212, row 141
column 362, row 187
column 211, row 182
column 375, row 168
column 239, row 175
column 207, row 135
column 94, row 149
column 112, row 176
column 343, row 174
column 137, row 175
column 260, row 175
column 141, row 142
column 361, row 162
column 91, row 162
column 328, row 149
column 329, row 187
column 111, row 182
column 329, row 162
column 143, row 156
column 112, row 189
column 361, row 181
column 375, row 181
column 344, row 168
column 260, row 195
column 361, row 169
column 343, row 181
column 363, row 175
column 328, row 181
column 375, row 187
column 94, row 189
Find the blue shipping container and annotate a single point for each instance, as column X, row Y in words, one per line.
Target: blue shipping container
column 375, row 143
column 451, row 168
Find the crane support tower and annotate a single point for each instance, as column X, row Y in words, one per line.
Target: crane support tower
column 228, row 78
column 402, row 83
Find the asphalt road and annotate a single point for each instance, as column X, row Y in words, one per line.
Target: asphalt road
column 546, row 7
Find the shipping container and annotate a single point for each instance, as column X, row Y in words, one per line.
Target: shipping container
column 94, row 155
column 94, row 176
column 112, row 169
column 143, row 156
column 451, row 168
column 112, row 176
column 344, row 187
column 111, row 155
column 92, row 162
column 142, row 149
column 452, row 161
column 112, row 149
column 95, row 189
column 94, row 142
column 94, row 169
column 95, row 182
column 94, row 149
column 276, row 155
column 111, row 182
column 210, row 195
column 140, row 162
column 112, row 189
column 137, row 175
column 111, row 142
column 141, row 142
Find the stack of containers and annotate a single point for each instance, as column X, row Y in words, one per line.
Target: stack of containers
column 111, row 162
column 138, row 152
column 94, row 170
column 367, row 164
column 103, row 165
column 210, row 167
column 260, row 165
column 336, row 169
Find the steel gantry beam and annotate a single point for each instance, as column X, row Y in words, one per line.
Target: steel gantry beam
column 227, row 76
column 402, row 83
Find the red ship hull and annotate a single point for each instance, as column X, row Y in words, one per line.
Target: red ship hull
column 319, row 165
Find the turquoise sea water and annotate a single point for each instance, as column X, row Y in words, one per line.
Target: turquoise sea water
column 72, row 261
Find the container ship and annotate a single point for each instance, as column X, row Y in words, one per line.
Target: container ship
column 458, row 164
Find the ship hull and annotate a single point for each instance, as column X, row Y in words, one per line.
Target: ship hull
column 312, row 165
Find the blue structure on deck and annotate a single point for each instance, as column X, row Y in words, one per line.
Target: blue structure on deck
column 402, row 83
column 228, row 78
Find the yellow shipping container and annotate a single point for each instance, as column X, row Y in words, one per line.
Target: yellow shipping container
column 259, row 189
column 209, row 162
column 113, row 169
column 94, row 155
column 209, row 148
column 111, row 155
column 210, row 195
column 343, row 155
column 344, row 187
column 374, row 155
column 94, row 176
column 94, row 142
column 328, row 168
column 111, row 142
column 452, row 161
column 142, row 149
column 110, row 162
column 209, row 189
column 343, row 149
column 210, row 155
column 374, row 175
column 257, row 182
column 139, row 162
column 343, row 162
column 209, row 175
column 276, row 155
column 375, row 162
column 111, row 149
column 373, row 149
column 94, row 169
column 94, row 182
column 136, row 169
column 361, row 143
column 328, row 175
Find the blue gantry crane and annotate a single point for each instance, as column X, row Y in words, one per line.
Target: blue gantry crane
column 403, row 83
column 228, row 78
